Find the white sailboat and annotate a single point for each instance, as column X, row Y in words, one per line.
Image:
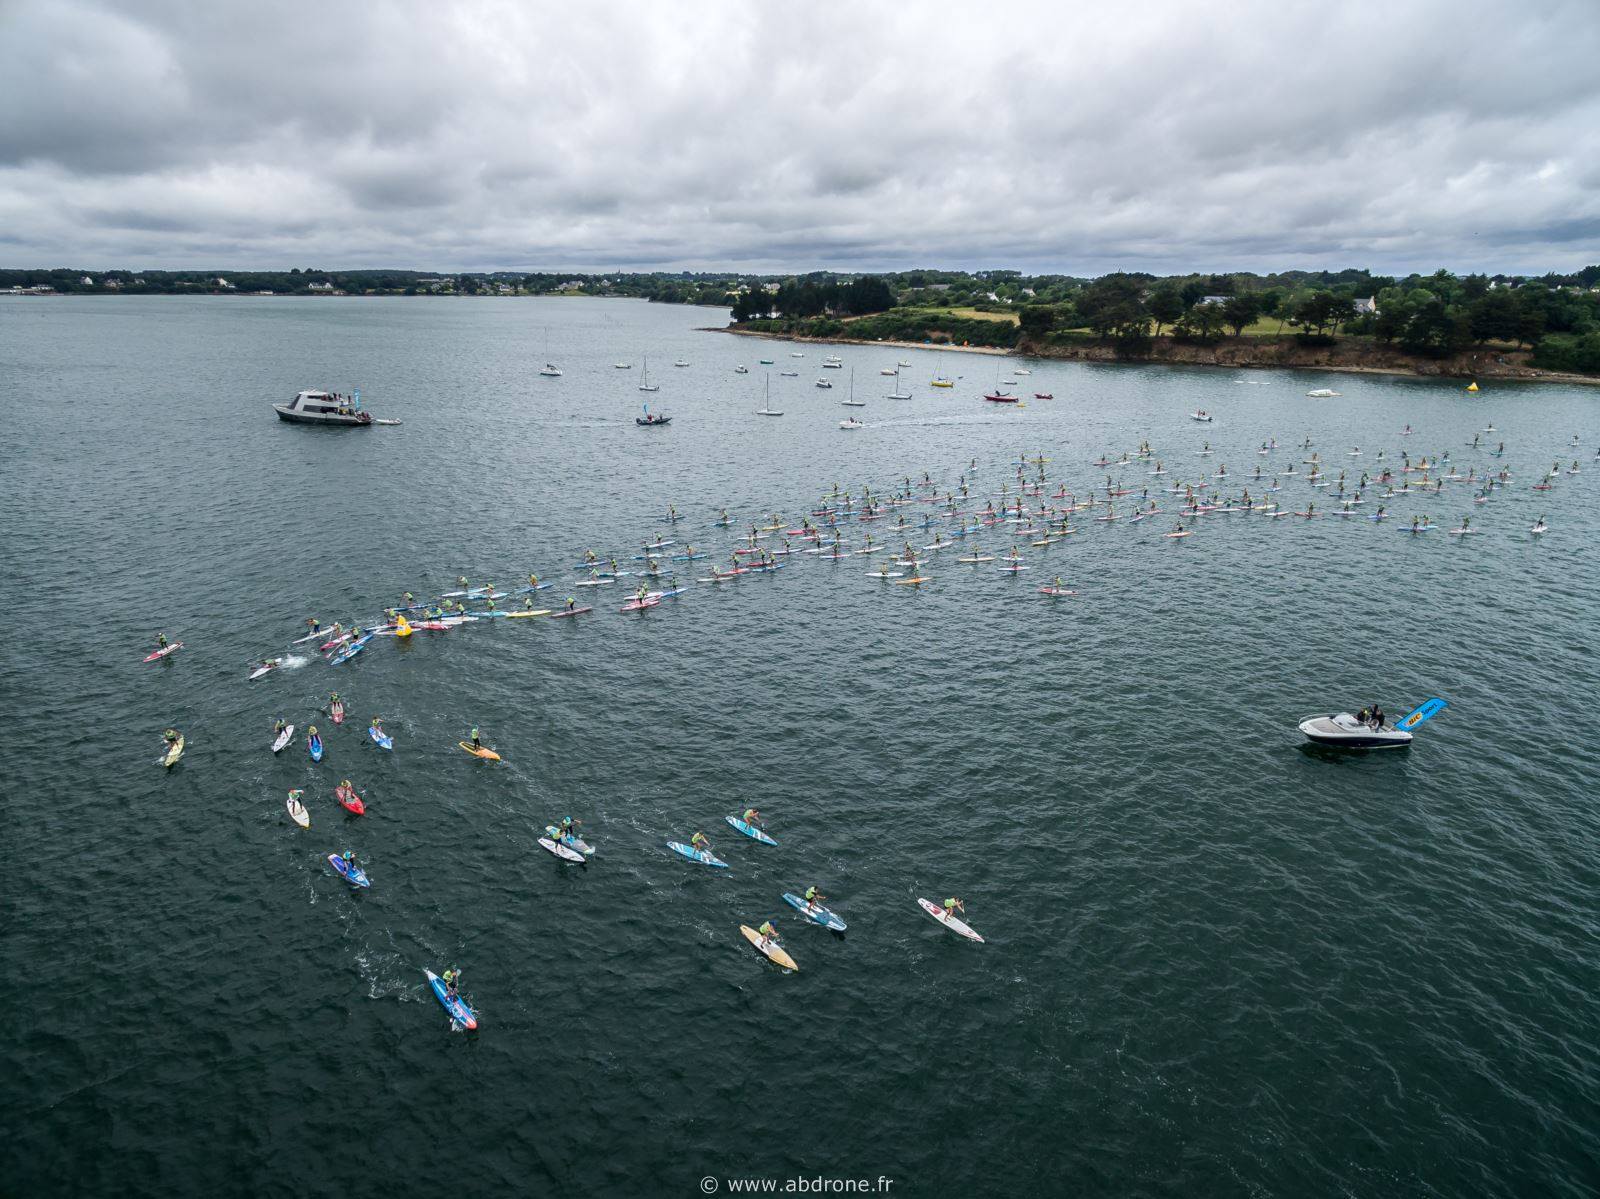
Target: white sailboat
column 550, row 369
column 897, row 393
column 644, row 379
column 852, row 402
column 766, row 408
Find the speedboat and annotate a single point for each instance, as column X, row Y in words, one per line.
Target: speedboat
column 321, row 408
column 851, row 422
column 1322, row 393
column 1200, row 416
column 652, row 418
column 1347, row 732
column 550, row 370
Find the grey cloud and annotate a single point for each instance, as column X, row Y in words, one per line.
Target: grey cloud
column 1043, row 136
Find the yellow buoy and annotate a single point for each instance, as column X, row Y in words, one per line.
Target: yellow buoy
column 1473, row 386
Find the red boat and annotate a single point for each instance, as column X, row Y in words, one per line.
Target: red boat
column 1001, row 398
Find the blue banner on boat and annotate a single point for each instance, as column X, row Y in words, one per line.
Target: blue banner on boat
column 1424, row 711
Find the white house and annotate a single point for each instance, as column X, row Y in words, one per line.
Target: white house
column 1368, row 305
column 1212, row 300
column 319, row 287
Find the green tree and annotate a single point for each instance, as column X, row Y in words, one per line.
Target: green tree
column 1037, row 320
column 1166, row 306
column 1239, row 311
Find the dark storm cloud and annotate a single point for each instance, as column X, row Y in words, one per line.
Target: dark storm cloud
column 1044, row 136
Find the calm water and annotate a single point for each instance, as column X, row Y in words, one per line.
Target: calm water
column 1216, row 963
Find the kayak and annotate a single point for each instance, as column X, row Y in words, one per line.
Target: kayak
column 696, row 855
column 570, row 612
column 771, row 949
column 297, row 811
column 337, row 712
column 162, row 653
column 353, row 875
column 349, row 800
column 817, row 913
column 314, row 747
column 283, row 738
column 950, row 922
column 460, row 1014
column 534, row 612
column 484, row 752
column 561, row 851
column 262, row 670
column 567, row 839
column 750, row 830
column 174, row 752
column 380, row 738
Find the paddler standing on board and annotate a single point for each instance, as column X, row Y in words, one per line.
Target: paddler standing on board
column 768, row 934
column 952, row 906
column 533, row 581
column 477, row 743
column 161, row 641
column 571, row 603
column 316, row 625
column 642, row 594
column 813, row 897
column 452, row 981
column 700, row 842
column 752, row 818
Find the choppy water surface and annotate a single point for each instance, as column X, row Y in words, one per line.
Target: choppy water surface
column 1215, row 963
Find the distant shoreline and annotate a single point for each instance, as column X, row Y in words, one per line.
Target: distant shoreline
column 1238, row 354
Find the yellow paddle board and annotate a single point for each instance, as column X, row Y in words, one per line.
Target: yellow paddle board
column 538, row 612
column 770, row 949
column 173, row 754
column 488, row 755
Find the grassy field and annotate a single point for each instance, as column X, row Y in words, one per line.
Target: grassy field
column 969, row 314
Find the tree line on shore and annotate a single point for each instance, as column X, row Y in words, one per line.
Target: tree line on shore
column 1436, row 315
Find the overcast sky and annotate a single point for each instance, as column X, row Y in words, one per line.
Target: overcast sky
column 1408, row 134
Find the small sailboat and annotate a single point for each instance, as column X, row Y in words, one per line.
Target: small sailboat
column 940, row 379
column 549, row 369
column 852, row 402
column 899, row 393
column 644, row 379
column 766, row 408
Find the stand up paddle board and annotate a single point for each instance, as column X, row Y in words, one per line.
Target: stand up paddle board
column 816, row 912
column 771, row 949
column 283, row 738
column 380, row 738
column 162, row 653
column 487, row 754
column 174, row 752
column 570, row 612
column 297, row 810
column 750, row 830
column 567, row 839
column 349, row 800
column 696, row 855
column 461, row 1016
column 353, row 875
column 561, row 851
column 950, row 922
column 314, row 747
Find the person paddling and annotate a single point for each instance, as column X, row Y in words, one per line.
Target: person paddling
column 700, row 842
column 813, row 897
column 769, row 935
column 452, row 981
column 952, row 906
column 752, row 818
